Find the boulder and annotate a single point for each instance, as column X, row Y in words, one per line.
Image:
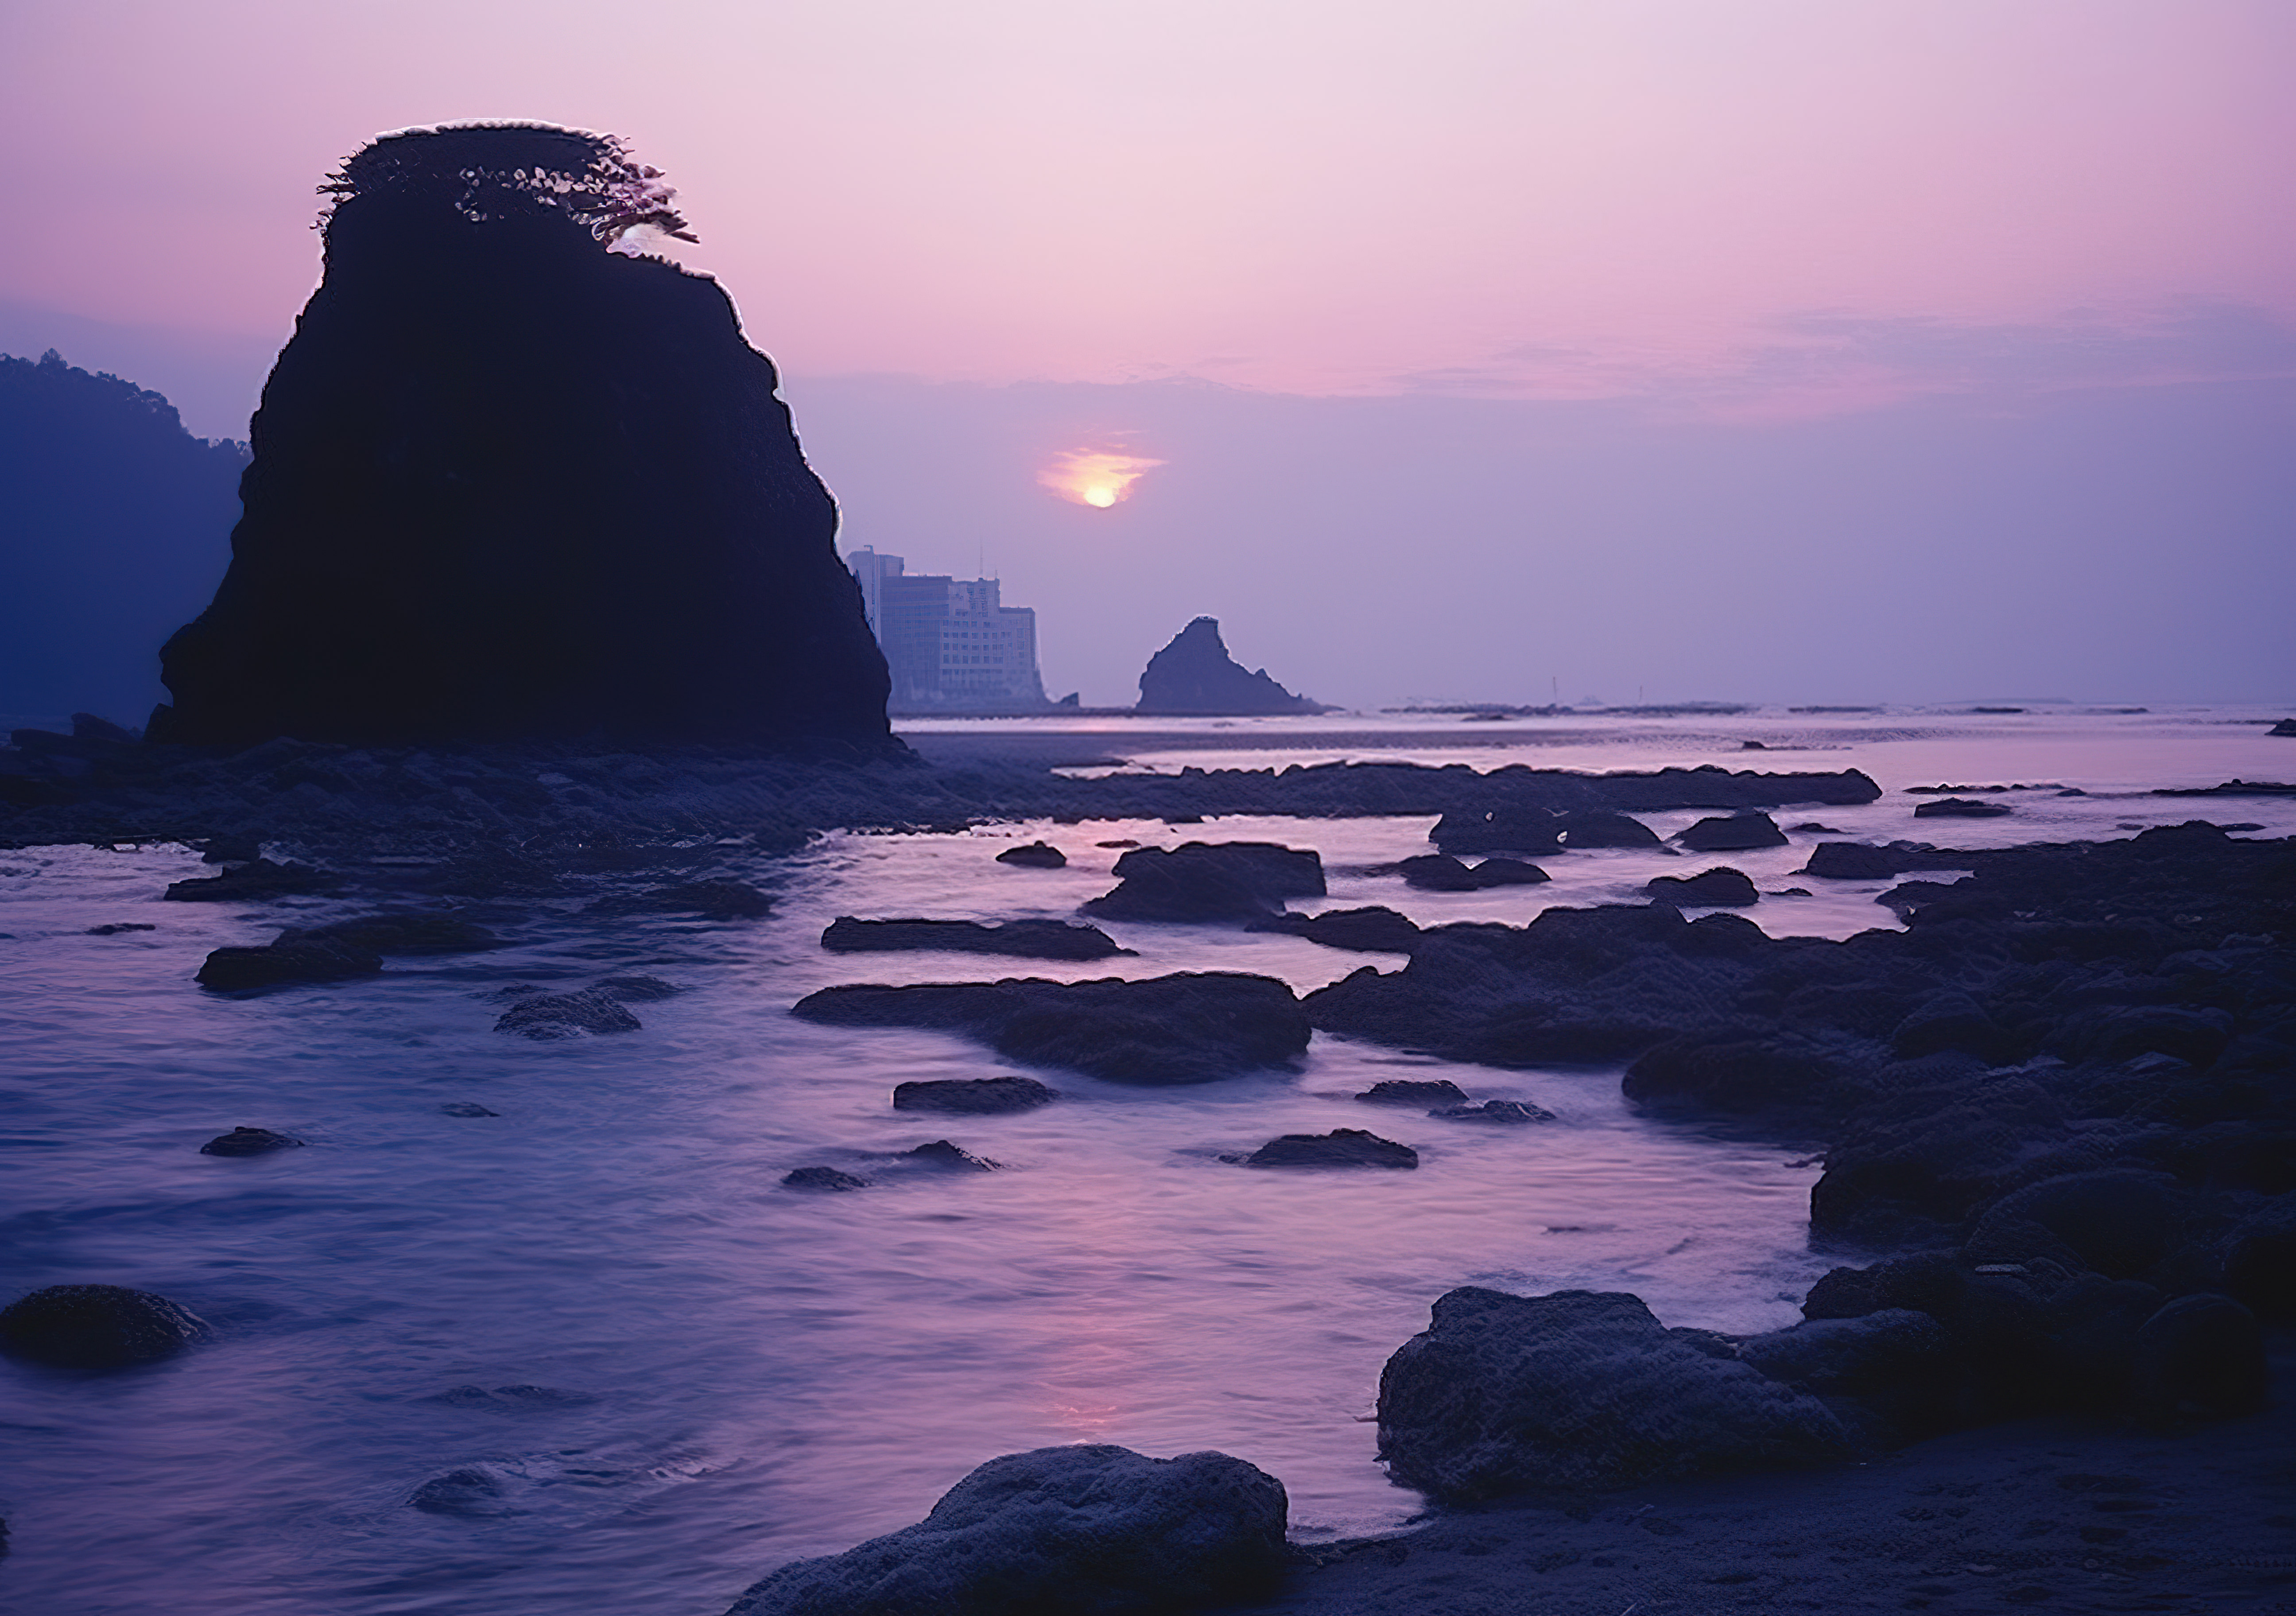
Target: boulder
column 1195, row 674
column 1034, row 855
column 508, row 484
column 2202, row 1354
column 1579, row 1389
column 1192, row 1026
column 1857, row 861
column 1084, row 1530
column 1732, row 834
column 1022, row 939
column 1961, row 807
column 1583, row 828
column 950, row 1158
column 1415, row 1092
column 1720, row 886
column 290, row 959
column 1342, row 1147
column 567, row 1015
column 1743, row 1071
column 1201, row 880
column 95, row 1326
column 2118, row 1222
column 973, row 1097
column 822, row 1178
column 1441, row 872
column 249, row 1142
column 1508, row 1111
column 1373, row 930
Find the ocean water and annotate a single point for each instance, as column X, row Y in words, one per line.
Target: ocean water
column 733, row 1374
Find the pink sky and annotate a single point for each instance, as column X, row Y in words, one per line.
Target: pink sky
column 1533, row 198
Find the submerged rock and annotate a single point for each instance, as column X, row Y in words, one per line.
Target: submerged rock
column 1961, row 807
column 249, row 1142
column 1508, row 1111
column 1035, row 856
column 1195, row 674
column 1023, row 938
column 1200, row 880
column 1342, row 1147
column 822, row 1178
column 1721, row 885
column 1089, row 1530
column 973, row 1097
column 400, row 931
column 467, row 1108
column 1732, row 834
column 95, row 1326
column 467, row 1492
column 953, row 1158
column 567, row 1015
column 508, row 484
column 1579, row 1389
column 1188, row 1027
column 290, row 959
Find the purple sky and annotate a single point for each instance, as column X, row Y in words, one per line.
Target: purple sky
column 1834, row 290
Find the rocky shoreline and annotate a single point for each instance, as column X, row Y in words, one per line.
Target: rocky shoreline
column 2058, row 1114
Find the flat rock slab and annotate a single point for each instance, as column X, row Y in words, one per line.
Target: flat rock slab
column 1022, row 938
column 1194, row 1027
column 1417, row 1091
column 1342, row 1147
column 1035, row 856
column 249, row 1142
column 1719, row 887
column 973, row 1097
column 1962, row 808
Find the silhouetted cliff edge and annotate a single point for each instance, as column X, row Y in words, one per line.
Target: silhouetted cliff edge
column 511, row 484
column 1195, row 674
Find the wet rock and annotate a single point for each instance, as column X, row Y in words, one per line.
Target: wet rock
column 1507, row 1112
column 255, row 883
column 1961, row 807
column 453, row 526
column 822, row 1178
column 1087, row 1530
column 567, row 1015
column 1579, row 1389
column 1743, row 1072
column 1415, row 1091
column 469, row 1491
column 511, row 1399
column 1441, row 872
column 973, row 1097
column 2202, row 1354
column 1342, row 1147
column 940, row 1153
column 467, row 1108
column 1195, row 674
column 1857, row 861
column 1721, row 885
column 1187, row 1028
column 1209, row 882
column 1509, row 829
column 1584, row 828
column 230, row 850
column 638, row 989
column 1732, row 834
column 1897, row 1362
column 1374, row 929
column 95, row 1326
column 114, row 928
column 1950, row 1020
column 1035, row 856
column 249, row 1142
column 400, row 931
column 2286, row 726
column 710, row 899
column 292, row 959
column 2117, row 1222
column 1022, row 939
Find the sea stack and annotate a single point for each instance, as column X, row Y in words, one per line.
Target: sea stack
column 511, row 483
column 1195, row 674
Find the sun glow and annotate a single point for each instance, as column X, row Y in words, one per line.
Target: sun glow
column 1099, row 477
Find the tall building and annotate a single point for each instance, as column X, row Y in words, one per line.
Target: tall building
column 952, row 645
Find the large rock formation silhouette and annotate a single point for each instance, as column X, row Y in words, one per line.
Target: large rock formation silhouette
column 509, row 483
column 1195, row 674
column 118, row 521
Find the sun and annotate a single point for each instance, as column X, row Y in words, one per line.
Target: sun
column 1098, row 477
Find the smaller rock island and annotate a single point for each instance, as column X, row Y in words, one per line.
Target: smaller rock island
column 1195, row 675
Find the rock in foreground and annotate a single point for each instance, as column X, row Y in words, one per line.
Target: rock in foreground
column 1095, row 1530
column 95, row 1326
column 1193, row 1026
column 1579, row 1389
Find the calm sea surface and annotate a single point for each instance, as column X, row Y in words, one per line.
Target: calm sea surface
column 744, row 1373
